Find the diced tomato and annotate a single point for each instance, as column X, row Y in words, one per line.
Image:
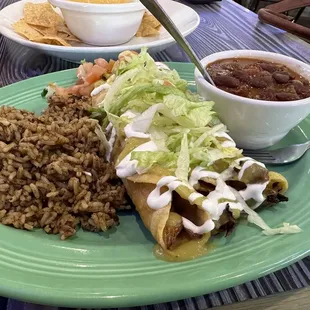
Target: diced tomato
column 85, row 91
column 75, row 90
column 101, row 62
column 95, row 74
column 92, row 78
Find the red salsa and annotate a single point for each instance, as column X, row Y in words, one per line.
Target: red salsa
column 258, row 79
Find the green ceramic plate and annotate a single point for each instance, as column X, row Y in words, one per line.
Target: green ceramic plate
column 118, row 268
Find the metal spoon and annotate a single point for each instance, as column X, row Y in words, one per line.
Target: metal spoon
column 156, row 9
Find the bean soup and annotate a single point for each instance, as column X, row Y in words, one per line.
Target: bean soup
column 258, row 79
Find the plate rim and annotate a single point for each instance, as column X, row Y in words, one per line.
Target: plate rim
column 41, row 295
column 8, row 33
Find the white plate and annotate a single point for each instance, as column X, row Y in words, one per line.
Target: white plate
column 186, row 19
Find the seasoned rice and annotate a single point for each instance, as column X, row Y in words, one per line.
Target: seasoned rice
column 53, row 171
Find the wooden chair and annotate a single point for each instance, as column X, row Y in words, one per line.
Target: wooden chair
column 273, row 15
column 254, row 4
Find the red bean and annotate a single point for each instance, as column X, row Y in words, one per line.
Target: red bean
column 266, row 94
column 261, row 80
column 301, row 90
column 242, row 75
column 281, row 77
column 283, row 96
column 225, row 80
column 269, row 67
column 232, row 66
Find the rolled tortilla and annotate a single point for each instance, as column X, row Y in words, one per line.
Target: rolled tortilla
column 165, row 223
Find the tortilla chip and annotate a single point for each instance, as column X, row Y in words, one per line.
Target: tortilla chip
column 150, row 20
column 53, row 40
column 41, row 14
column 65, row 33
column 148, row 31
column 45, row 31
column 63, row 28
column 68, row 37
column 22, row 28
column 150, row 26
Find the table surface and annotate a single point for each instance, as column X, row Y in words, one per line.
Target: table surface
column 224, row 25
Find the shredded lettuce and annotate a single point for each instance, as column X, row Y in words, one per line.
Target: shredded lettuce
column 130, row 60
column 188, row 113
column 139, row 85
column 285, row 229
column 255, row 219
column 183, row 161
column 141, row 124
column 147, row 160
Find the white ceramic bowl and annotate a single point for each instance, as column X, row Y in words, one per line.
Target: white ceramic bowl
column 102, row 24
column 255, row 124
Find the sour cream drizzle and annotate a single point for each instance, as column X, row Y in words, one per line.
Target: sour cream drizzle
column 199, row 173
column 252, row 191
column 223, row 192
column 156, row 200
column 246, row 165
column 141, row 123
column 227, row 143
column 200, row 230
column 128, row 167
column 193, row 196
column 111, row 142
column 130, row 114
column 161, row 65
column 99, row 89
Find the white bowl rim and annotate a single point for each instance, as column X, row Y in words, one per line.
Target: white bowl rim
column 254, row 54
column 132, row 6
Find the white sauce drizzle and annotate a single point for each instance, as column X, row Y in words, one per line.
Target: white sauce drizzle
column 193, row 196
column 128, row 167
column 160, row 65
column 200, row 230
column 239, row 160
column 141, row 124
column 199, row 172
column 227, row 143
column 252, row 191
column 99, row 89
column 227, row 174
column 156, row 200
column 130, row 114
column 111, row 142
column 246, row 165
column 222, row 191
column 109, row 127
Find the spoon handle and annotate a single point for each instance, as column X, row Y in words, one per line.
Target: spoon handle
column 155, row 8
